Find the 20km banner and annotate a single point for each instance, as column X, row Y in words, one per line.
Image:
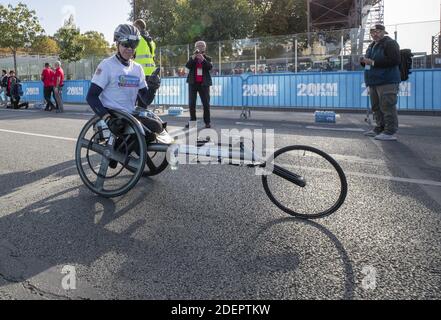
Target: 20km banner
column 333, row 90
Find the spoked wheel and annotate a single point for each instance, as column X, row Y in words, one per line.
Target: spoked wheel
column 306, row 183
column 103, row 163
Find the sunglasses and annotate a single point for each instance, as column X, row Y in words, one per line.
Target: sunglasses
column 132, row 44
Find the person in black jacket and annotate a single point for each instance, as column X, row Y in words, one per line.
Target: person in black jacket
column 382, row 76
column 4, row 87
column 13, row 92
column 199, row 81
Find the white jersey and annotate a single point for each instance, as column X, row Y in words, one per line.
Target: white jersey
column 120, row 84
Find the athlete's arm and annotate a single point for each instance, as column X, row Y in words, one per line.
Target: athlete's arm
column 147, row 95
column 94, row 101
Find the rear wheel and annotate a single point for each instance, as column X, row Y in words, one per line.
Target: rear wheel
column 102, row 163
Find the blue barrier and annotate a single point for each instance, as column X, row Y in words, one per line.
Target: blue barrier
column 33, row 91
column 333, row 90
column 75, row 91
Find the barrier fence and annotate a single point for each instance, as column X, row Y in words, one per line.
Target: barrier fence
column 333, row 90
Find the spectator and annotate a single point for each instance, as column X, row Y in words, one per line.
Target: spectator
column 145, row 53
column 58, row 86
column 4, row 87
column 14, row 93
column 382, row 76
column 199, row 81
column 48, row 77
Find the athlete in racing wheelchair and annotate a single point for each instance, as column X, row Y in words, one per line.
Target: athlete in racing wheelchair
column 121, row 144
column 118, row 81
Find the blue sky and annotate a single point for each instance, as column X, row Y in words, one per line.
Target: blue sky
column 105, row 15
column 96, row 15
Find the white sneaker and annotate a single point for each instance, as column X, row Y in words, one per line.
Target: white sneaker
column 386, row 137
column 370, row 133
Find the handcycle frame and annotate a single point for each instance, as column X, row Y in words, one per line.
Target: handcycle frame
column 164, row 143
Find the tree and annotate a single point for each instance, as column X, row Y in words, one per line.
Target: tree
column 68, row 38
column 161, row 17
column 184, row 21
column 94, row 44
column 279, row 17
column 44, row 45
column 214, row 20
column 19, row 27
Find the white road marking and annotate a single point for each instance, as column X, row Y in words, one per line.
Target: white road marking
column 38, row 135
column 335, row 129
column 249, row 124
column 395, row 179
column 177, row 132
column 346, row 158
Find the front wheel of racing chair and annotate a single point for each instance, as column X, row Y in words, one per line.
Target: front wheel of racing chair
column 103, row 158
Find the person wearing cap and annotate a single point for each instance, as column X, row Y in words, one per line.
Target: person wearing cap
column 145, row 52
column 382, row 76
column 199, row 81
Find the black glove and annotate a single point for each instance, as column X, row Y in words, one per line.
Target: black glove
column 154, row 82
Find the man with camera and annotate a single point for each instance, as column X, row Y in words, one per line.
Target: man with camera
column 382, row 76
column 199, row 81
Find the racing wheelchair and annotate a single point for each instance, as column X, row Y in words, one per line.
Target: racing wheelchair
column 300, row 180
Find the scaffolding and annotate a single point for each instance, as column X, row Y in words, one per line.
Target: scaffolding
column 436, row 44
column 358, row 15
column 343, row 14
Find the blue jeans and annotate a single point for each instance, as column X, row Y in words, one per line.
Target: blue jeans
column 3, row 97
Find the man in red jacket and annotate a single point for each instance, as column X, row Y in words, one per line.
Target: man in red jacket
column 58, row 86
column 47, row 76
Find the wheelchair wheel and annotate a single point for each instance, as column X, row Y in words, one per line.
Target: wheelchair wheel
column 156, row 163
column 324, row 186
column 102, row 163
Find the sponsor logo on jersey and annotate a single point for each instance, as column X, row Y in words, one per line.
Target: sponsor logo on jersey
column 128, row 81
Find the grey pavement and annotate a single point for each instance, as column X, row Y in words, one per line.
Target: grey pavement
column 210, row 232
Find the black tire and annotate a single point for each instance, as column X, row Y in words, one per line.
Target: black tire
column 314, row 166
column 106, row 156
column 152, row 168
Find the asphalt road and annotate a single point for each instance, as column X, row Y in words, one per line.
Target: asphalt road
column 210, row 232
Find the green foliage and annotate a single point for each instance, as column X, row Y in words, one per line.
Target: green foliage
column 68, row 38
column 44, row 45
column 173, row 22
column 94, row 44
column 19, row 27
column 279, row 17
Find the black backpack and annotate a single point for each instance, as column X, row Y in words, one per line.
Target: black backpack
column 19, row 89
column 4, row 81
column 406, row 64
